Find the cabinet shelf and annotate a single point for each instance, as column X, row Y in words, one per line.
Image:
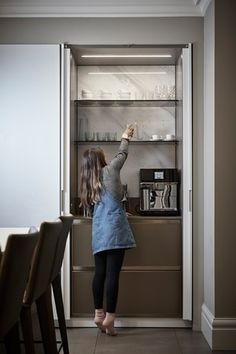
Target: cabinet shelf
column 129, row 103
column 133, row 142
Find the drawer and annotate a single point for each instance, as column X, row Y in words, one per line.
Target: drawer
column 141, row 293
column 81, row 244
column 159, row 243
column 81, row 294
column 156, row 293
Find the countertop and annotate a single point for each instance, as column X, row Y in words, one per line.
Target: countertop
column 134, row 218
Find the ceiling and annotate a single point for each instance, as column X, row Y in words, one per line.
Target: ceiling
column 102, row 8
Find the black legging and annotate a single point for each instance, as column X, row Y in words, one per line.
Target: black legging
column 107, row 268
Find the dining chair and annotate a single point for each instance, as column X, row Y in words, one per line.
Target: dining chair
column 56, row 279
column 38, row 289
column 14, row 272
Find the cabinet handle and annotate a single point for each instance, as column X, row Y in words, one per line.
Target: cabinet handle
column 83, row 268
column 62, row 200
column 190, row 199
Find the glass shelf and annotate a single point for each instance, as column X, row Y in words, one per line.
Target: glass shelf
column 130, row 103
column 132, row 142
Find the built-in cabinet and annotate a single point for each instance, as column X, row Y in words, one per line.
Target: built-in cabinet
column 155, row 96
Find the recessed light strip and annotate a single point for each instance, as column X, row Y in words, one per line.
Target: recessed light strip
column 127, row 73
column 126, row 56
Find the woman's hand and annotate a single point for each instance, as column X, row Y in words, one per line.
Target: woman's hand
column 129, row 132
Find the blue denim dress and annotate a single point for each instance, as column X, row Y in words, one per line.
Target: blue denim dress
column 110, row 227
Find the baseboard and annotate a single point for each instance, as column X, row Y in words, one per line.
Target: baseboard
column 220, row 333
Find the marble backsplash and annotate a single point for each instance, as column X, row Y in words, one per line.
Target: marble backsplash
column 126, row 82
column 108, row 123
column 140, row 156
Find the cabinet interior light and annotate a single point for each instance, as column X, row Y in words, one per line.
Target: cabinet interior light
column 126, row 56
column 127, row 73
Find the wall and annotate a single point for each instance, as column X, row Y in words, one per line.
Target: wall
column 137, row 31
column 219, row 311
column 225, row 163
column 209, row 157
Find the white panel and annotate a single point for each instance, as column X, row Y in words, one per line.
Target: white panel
column 187, row 184
column 29, row 134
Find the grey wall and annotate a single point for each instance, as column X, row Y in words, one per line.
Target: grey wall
column 225, row 162
column 219, row 309
column 209, row 157
column 102, row 30
column 220, row 163
column 137, row 31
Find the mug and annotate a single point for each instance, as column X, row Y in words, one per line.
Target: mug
column 170, row 137
column 122, row 94
column 105, row 94
column 86, row 94
column 156, row 137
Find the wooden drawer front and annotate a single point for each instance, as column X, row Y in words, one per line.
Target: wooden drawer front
column 141, row 294
column 81, row 245
column 81, row 290
column 156, row 293
column 159, row 243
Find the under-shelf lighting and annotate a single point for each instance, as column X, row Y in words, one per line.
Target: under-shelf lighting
column 126, row 56
column 127, row 73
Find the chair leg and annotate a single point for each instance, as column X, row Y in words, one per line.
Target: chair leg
column 45, row 315
column 56, row 285
column 27, row 329
column 12, row 341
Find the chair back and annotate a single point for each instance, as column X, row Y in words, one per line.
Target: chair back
column 43, row 260
column 67, row 223
column 14, row 272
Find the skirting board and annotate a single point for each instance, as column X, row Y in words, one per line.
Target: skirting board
column 134, row 322
column 220, row 333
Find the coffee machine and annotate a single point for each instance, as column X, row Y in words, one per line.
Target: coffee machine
column 159, row 189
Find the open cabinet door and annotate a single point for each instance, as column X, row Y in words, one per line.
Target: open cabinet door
column 65, row 129
column 68, row 95
column 187, row 183
column 29, row 134
column 65, row 168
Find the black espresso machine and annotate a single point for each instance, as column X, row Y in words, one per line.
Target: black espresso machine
column 159, row 190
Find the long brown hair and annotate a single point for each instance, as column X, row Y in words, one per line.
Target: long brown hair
column 93, row 161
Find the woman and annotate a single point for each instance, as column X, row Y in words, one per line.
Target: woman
column 101, row 190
